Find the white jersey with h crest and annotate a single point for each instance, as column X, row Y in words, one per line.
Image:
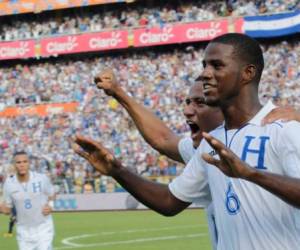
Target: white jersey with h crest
column 248, row 217
column 187, row 150
column 29, row 198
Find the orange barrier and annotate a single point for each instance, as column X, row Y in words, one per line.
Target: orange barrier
column 35, row 6
column 40, row 109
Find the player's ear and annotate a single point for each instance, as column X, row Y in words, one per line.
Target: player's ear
column 249, row 73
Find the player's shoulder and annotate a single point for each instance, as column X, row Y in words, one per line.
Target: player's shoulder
column 285, row 133
column 10, row 182
column 10, row 178
column 37, row 175
column 285, row 127
column 186, row 141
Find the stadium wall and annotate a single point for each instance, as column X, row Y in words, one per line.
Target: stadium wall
column 100, row 201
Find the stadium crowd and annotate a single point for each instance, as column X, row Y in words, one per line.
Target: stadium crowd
column 159, row 80
column 101, row 17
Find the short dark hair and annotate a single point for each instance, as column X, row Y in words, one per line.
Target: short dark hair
column 246, row 48
column 22, row 152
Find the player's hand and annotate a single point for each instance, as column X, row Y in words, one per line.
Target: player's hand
column 97, row 155
column 230, row 164
column 46, row 210
column 106, row 80
column 284, row 114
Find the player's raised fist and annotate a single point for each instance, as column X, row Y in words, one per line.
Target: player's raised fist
column 106, row 80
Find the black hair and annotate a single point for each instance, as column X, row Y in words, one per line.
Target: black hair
column 245, row 48
column 19, row 153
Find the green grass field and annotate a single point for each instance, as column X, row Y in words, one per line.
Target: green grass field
column 130, row 230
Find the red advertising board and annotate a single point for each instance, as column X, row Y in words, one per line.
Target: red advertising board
column 119, row 39
column 84, row 43
column 186, row 32
column 156, row 36
column 17, row 50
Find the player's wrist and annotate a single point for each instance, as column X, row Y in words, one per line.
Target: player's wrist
column 250, row 174
column 117, row 169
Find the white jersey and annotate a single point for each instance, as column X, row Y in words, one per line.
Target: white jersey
column 186, row 151
column 29, row 198
column 248, row 217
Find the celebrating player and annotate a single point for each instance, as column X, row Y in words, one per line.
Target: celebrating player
column 256, row 193
column 199, row 117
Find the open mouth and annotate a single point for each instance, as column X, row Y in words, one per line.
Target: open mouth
column 194, row 128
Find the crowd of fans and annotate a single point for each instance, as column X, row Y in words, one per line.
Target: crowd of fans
column 159, row 80
column 92, row 19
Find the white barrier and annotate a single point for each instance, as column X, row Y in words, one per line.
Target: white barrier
column 97, row 201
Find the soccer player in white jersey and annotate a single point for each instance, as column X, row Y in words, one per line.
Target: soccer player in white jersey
column 32, row 195
column 255, row 186
column 199, row 117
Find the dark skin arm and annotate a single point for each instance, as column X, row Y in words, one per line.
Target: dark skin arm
column 284, row 187
column 154, row 131
column 284, row 114
column 154, row 195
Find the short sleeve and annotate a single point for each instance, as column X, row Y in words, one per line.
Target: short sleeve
column 49, row 188
column 192, row 185
column 289, row 148
column 186, row 149
column 7, row 195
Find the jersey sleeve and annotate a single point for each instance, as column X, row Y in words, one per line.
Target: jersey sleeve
column 186, row 149
column 289, row 148
column 49, row 188
column 192, row 185
column 7, row 195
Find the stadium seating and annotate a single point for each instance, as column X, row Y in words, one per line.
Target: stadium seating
column 158, row 78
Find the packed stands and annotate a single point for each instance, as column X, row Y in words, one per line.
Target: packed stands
column 98, row 18
column 158, row 78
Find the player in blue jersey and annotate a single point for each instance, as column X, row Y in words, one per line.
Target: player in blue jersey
column 32, row 195
column 255, row 198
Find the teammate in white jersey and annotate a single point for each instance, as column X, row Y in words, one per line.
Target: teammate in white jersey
column 199, row 117
column 32, row 195
column 256, row 206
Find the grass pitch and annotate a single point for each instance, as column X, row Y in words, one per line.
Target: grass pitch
column 128, row 230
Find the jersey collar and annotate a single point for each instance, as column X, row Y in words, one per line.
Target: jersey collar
column 257, row 119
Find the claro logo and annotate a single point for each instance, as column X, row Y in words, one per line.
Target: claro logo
column 59, row 47
column 110, row 42
column 65, row 204
column 164, row 36
column 19, row 51
column 204, row 33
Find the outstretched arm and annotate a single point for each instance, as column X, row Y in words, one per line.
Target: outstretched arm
column 154, row 195
column 286, row 188
column 154, row 131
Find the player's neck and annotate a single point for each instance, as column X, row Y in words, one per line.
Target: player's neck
column 239, row 113
column 23, row 178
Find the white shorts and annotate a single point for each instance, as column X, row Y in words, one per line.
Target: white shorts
column 36, row 238
column 212, row 225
